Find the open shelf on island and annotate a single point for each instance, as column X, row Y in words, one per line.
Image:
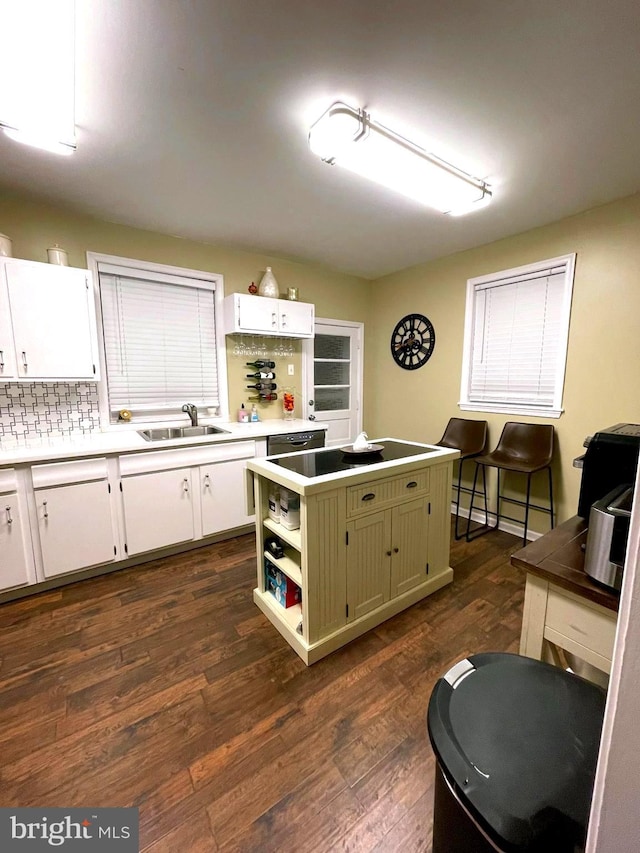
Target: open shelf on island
column 288, row 566
column 291, row 537
column 291, row 616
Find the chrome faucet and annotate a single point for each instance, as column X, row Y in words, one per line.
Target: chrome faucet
column 192, row 411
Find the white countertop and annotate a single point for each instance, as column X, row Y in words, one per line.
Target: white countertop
column 125, row 439
column 304, row 485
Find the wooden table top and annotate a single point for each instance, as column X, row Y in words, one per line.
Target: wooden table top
column 558, row 557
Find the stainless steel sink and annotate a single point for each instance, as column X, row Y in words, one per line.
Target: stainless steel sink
column 165, row 433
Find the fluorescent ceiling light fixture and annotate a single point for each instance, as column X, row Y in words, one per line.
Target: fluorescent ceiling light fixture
column 348, row 137
column 37, row 63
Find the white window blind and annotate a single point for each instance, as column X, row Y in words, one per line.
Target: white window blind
column 516, row 337
column 160, row 340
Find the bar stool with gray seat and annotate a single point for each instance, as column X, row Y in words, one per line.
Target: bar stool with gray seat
column 470, row 438
column 524, row 449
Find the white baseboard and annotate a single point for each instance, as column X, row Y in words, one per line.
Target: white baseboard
column 506, row 526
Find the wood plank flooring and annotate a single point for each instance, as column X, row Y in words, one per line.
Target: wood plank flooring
column 164, row 687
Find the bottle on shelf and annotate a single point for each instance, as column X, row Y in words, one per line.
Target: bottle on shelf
column 263, row 386
column 261, row 375
column 261, row 364
column 265, row 397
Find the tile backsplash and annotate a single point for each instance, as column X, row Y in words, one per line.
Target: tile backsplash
column 47, row 410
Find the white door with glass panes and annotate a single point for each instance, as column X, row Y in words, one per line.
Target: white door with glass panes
column 333, row 379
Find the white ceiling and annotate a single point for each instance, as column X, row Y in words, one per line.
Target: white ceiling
column 193, row 116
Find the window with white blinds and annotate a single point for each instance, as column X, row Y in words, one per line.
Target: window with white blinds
column 159, row 334
column 516, row 334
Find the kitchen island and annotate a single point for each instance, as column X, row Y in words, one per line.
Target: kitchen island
column 373, row 539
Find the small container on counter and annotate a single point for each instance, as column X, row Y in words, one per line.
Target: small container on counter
column 274, row 503
column 289, row 509
column 243, row 415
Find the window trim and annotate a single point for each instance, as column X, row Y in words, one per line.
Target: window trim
column 473, row 287
column 216, row 282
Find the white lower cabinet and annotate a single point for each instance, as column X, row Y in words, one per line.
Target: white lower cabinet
column 158, row 510
column 73, row 524
column 15, row 561
column 223, row 496
column 75, row 527
column 62, row 517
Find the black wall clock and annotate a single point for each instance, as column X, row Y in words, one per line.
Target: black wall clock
column 413, row 341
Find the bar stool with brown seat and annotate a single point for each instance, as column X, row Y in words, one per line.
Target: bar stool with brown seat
column 470, row 438
column 524, row 449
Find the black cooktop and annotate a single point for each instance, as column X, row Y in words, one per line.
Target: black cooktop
column 332, row 460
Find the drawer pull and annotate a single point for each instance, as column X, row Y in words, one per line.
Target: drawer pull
column 369, row 496
column 412, row 484
column 9, row 519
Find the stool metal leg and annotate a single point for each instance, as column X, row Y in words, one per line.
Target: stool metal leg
column 481, row 530
column 456, row 533
column 526, row 510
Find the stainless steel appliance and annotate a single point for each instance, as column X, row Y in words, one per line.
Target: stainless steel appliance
column 607, row 537
column 295, row 441
column 606, row 495
column 611, row 460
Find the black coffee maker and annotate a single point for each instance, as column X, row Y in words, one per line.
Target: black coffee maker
column 606, row 495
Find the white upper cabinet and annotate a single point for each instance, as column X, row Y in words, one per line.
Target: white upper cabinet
column 7, row 351
column 259, row 315
column 51, row 321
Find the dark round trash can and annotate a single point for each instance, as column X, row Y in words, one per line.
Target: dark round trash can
column 516, row 742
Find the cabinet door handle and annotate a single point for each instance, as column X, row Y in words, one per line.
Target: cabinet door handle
column 274, row 319
column 207, row 481
column 185, row 486
column 284, row 320
column 9, row 519
column 1, row 359
column 395, row 550
column 369, row 496
column 46, row 511
column 24, row 361
column 412, row 484
column 388, row 553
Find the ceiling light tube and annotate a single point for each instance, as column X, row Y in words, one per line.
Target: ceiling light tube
column 37, row 65
column 348, row 137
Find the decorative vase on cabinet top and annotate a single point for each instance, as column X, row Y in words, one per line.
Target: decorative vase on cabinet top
column 269, row 285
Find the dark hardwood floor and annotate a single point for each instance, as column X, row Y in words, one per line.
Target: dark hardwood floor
column 164, row 687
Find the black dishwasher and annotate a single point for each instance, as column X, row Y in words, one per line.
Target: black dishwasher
column 292, row 442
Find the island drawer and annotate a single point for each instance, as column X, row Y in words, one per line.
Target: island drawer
column 380, row 493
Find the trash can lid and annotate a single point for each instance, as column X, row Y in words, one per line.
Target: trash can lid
column 517, row 740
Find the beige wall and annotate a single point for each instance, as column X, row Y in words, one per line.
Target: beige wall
column 603, row 373
column 602, row 385
column 33, row 227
